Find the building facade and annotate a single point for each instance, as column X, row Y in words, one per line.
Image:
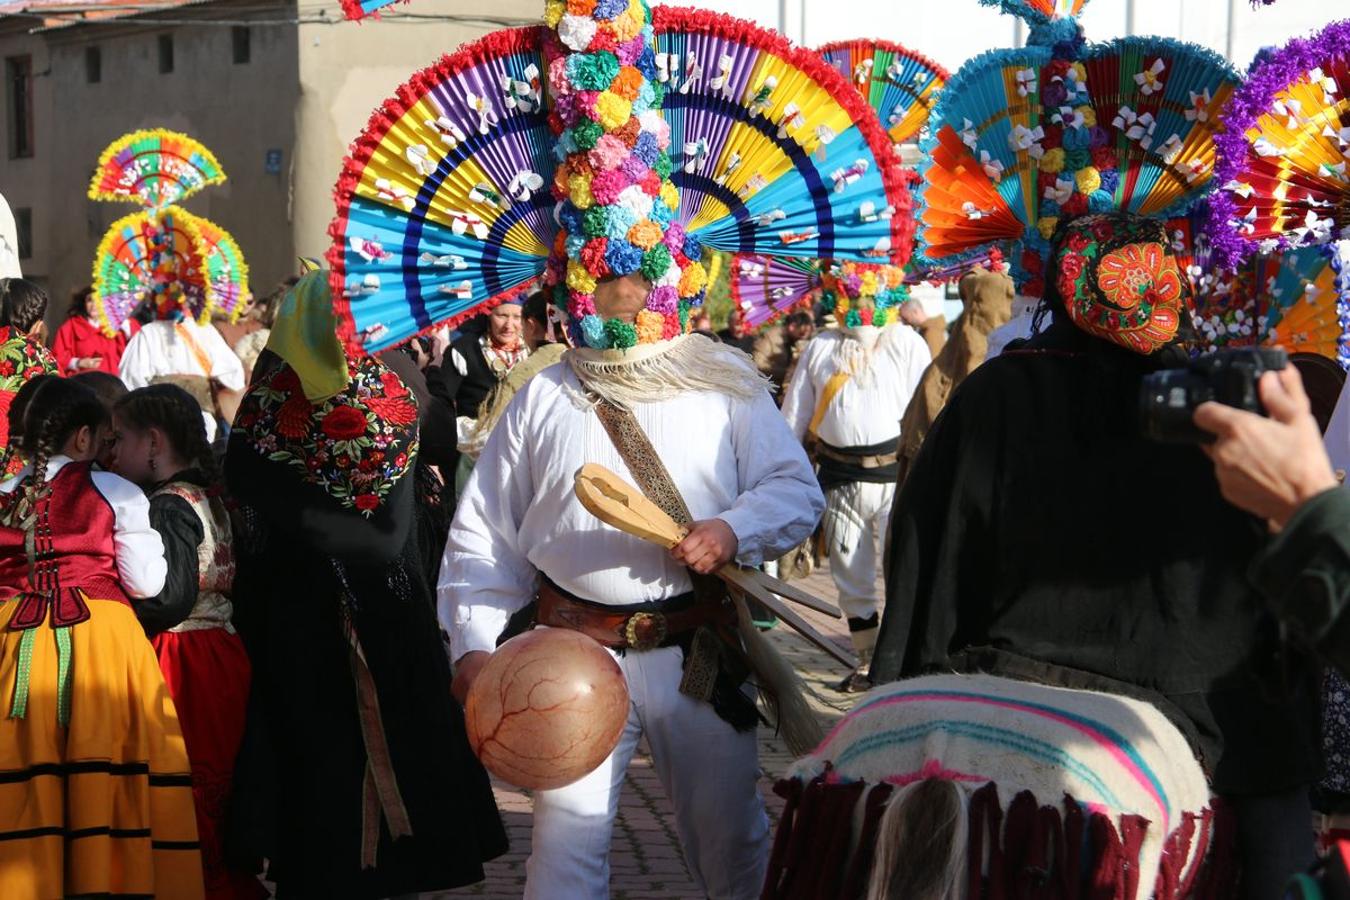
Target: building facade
column 275, row 88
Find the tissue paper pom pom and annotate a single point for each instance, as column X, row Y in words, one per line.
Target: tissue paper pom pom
column 593, row 332
column 627, row 26
column 1053, row 160
column 608, row 9
column 593, row 223
column 623, row 257
column 692, row 280
column 627, row 83
column 605, row 186
column 635, row 169
column 1110, row 179
column 1089, row 117
column 669, row 196
column 1077, row 158
column 661, row 214
column 592, row 71
column 574, row 244
column 646, row 60
column 646, row 98
column 578, row 279
column 1088, row 180
column 629, row 52
column 662, row 166
column 647, row 149
column 579, row 305
column 557, row 77
column 553, row 12
column 673, row 326
column 1046, row 225
column 608, row 153
column 576, row 32
column 645, row 234
column 612, row 111
column 650, row 122
column 592, row 256
column 1101, row 202
column 579, row 191
column 620, row 335
column 655, row 262
column 604, row 40
column 635, row 199
column 569, row 217
column 674, row 238
column 650, row 326
column 581, row 7
column 651, row 184
column 670, row 277
column 586, row 134
column 663, row 299
column 628, row 133
column 618, row 221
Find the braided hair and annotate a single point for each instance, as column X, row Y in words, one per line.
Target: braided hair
column 22, row 304
column 173, row 411
column 52, row 412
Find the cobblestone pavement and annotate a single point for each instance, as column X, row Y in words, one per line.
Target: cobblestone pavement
column 645, row 860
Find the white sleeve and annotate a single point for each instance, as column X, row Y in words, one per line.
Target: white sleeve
column 226, row 366
column 140, row 550
column 459, row 362
column 779, row 501
column 485, row 574
column 137, row 365
column 799, row 397
column 1337, row 437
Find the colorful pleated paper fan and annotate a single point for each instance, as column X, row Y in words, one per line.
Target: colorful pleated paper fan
column 766, row 287
column 154, row 169
column 1040, row 11
column 226, row 270
column 150, row 256
column 1283, row 173
column 444, row 205
column 899, row 84
column 1021, row 140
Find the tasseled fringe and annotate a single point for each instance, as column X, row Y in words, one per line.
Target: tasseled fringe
column 781, row 687
column 1030, row 851
column 651, row 374
column 855, row 348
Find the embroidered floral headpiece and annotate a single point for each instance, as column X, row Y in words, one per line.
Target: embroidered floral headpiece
column 617, row 203
column 21, row 360
column 355, row 445
column 862, row 293
column 1119, row 280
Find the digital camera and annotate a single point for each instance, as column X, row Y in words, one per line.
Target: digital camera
column 1168, row 399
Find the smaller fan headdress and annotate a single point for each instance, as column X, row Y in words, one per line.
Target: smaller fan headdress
column 154, row 169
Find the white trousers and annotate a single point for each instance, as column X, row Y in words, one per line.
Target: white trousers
column 709, row 771
column 860, row 514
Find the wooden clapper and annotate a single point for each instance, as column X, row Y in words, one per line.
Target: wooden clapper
column 617, row 503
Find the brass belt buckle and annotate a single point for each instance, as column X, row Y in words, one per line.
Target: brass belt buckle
column 645, row 630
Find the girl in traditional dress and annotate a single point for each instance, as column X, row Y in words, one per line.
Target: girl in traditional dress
column 95, row 791
column 161, row 446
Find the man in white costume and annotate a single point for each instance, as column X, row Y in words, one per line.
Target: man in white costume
column 9, row 243
column 845, row 401
column 178, row 348
column 749, row 488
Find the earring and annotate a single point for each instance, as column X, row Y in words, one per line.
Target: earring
column 154, row 462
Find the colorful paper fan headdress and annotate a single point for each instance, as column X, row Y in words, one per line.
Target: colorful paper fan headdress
column 765, row 287
column 900, row 85
column 656, row 135
column 1283, row 158
column 226, row 270
column 858, row 294
column 154, row 169
column 1025, row 138
column 151, row 255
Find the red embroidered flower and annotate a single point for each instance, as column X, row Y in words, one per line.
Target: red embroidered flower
column 395, row 410
column 366, row 502
column 293, row 417
column 344, row 423
column 6, row 367
column 1072, row 265
column 1078, row 241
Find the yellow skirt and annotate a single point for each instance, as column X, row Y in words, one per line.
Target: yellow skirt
column 102, row 805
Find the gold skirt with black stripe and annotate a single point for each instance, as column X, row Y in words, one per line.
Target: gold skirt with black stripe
column 101, row 805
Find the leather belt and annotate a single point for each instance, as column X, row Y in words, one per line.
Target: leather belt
column 623, row 630
column 874, row 461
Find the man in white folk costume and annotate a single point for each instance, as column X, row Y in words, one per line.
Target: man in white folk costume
column 692, row 423
column 845, row 401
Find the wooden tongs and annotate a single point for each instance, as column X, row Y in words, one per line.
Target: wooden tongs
column 617, row 503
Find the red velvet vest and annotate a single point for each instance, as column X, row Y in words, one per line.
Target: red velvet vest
column 75, row 557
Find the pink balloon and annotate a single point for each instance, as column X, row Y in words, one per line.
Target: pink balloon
column 546, row 709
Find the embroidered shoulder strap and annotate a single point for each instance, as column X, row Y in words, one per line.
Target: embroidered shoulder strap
column 637, row 452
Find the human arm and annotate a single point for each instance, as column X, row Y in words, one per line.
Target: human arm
column 63, row 348
column 141, row 566
column 486, row 575
column 138, row 360
column 181, row 530
column 778, row 499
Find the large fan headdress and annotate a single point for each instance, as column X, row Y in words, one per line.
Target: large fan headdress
column 156, row 256
column 900, row 85
column 711, row 130
column 1025, row 138
column 154, row 169
column 1283, row 159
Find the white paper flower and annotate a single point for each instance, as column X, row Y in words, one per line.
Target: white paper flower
column 969, row 137
column 992, row 167
column 1199, row 111
column 1150, row 80
column 577, row 31
column 1026, row 82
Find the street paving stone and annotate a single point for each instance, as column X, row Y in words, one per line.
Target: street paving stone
column 645, row 858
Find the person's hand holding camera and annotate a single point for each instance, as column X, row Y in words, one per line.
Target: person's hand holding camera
column 1268, row 466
